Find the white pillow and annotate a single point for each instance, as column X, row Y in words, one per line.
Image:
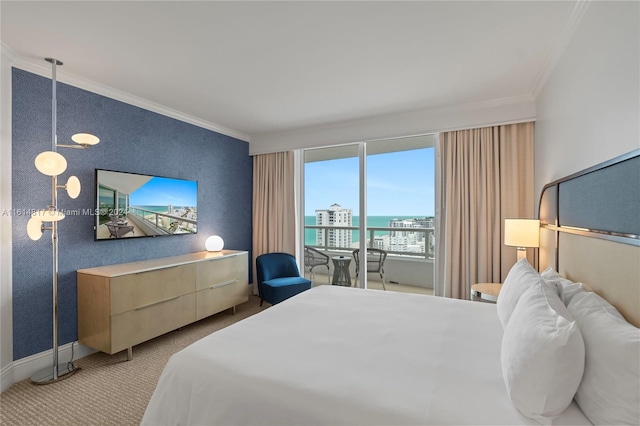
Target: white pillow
column 520, row 278
column 542, row 355
column 566, row 288
column 610, row 389
column 550, row 274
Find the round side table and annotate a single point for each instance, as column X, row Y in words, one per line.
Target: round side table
column 486, row 292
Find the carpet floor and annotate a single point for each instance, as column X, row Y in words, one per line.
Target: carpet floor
column 108, row 389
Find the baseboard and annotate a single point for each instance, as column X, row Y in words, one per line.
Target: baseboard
column 6, row 377
column 26, row 367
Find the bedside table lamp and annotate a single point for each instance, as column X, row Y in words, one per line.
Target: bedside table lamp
column 522, row 233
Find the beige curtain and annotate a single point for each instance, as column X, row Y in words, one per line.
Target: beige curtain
column 486, row 176
column 274, row 220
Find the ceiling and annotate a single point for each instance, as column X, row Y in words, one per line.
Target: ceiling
column 264, row 68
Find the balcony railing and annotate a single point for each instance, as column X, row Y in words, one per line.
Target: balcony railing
column 428, row 238
column 156, row 220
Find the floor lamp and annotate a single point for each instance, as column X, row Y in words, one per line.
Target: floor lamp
column 50, row 163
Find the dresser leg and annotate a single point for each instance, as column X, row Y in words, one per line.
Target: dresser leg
column 233, row 310
column 129, row 353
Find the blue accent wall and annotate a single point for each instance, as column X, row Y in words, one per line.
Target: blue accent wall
column 131, row 140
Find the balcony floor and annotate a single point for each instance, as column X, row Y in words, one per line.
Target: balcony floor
column 322, row 279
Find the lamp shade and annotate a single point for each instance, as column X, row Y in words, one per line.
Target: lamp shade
column 48, row 215
column 50, row 163
column 214, row 243
column 522, row 232
column 73, row 187
column 85, row 139
column 34, row 228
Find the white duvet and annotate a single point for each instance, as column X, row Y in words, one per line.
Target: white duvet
column 345, row 356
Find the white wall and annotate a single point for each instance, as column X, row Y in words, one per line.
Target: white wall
column 6, row 316
column 589, row 110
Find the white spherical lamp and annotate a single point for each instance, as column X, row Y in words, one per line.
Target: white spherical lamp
column 214, row 243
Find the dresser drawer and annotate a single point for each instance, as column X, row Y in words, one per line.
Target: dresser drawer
column 144, row 288
column 219, row 297
column 218, row 271
column 139, row 325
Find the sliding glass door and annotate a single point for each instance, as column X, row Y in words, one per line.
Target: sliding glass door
column 400, row 213
column 375, row 197
column 331, row 213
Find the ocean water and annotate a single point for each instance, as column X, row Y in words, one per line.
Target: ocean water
column 160, row 209
column 372, row 221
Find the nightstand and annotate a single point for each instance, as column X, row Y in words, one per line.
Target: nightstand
column 485, row 292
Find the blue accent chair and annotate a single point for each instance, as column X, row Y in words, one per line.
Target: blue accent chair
column 279, row 277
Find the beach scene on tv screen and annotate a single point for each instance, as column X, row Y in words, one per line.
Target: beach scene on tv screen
column 132, row 205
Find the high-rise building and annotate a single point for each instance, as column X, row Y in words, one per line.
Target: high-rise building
column 337, row 217
column 425, row 222
column 406, row 240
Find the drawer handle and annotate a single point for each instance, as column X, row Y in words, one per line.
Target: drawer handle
column 224, row 284
column 156, row 303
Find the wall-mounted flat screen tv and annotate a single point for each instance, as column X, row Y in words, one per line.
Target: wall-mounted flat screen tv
column 132, row 205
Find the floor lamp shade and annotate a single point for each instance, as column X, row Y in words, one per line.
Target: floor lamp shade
column 34, row 228
column 73, row 187
column 85, row 139
column 48, row 215
column 50, row 163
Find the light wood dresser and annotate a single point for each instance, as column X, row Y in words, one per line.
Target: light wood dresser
column 120, row 306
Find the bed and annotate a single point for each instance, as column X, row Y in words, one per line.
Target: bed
column 336, row 355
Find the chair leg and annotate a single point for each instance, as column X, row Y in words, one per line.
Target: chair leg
column 383, row 287
column 261, row 300
column 328, row 275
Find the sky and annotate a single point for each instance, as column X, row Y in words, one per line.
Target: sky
column 398, row 184
column 164, row 191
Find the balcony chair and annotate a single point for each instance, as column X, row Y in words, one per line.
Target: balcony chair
column 118, row 231
column 313, row 258
column 279, row 277
column 375, row 262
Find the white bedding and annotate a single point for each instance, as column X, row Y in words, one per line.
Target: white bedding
column 338, row 355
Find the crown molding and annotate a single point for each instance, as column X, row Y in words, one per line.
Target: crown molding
column 43, row 69
column 449, row 109
column 579, row 8
column 8, row 55
column 491, row 103
column 415, row 122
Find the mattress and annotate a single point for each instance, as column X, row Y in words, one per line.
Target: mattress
column 346, row 356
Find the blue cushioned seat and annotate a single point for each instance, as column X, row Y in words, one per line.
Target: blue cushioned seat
column 279, row 277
